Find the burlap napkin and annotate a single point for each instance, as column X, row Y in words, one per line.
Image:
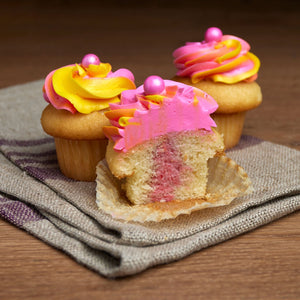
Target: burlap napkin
column 35, row 196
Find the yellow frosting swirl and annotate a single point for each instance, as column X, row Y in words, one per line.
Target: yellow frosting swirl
column 86, row 89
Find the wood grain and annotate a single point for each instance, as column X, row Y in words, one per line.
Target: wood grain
column 38, row 36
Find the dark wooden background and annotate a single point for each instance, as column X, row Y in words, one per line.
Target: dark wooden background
column 38, row 36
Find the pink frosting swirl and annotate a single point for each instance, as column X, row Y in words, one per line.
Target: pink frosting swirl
column 224, row 58
column 141, row 116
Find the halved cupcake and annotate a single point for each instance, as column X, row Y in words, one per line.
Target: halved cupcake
column 161, row 140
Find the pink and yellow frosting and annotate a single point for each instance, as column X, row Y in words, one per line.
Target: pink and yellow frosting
column 86, row 87
column 157, row 108
column 221, row 58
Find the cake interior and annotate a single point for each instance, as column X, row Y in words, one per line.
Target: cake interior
column 166, row 168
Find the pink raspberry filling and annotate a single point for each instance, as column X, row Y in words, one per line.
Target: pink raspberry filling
column 168, row 169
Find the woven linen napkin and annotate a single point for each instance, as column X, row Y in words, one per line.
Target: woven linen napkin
column 35, row 196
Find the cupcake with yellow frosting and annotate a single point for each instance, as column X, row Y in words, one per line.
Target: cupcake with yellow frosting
column 223, row 67
column 78, row 95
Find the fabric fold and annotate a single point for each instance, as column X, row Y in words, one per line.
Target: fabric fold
column 36, row 197
column 113, row 260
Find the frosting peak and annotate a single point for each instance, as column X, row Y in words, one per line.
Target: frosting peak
column 86, row 87
column 221, row 58
column 141, row 116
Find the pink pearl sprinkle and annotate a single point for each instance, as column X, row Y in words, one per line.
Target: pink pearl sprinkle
column 90, row 59
column 213, row 34
column 154, row 85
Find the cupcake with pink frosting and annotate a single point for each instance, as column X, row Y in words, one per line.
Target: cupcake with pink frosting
column 78, row 95
column 165, row 153
column 222, row 66
column 160, row 139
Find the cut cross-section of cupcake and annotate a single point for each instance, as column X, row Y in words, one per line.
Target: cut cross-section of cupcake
column 166, row 168
column 161, row 139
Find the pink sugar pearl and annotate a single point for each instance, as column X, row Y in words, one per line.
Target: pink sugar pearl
column 90, row 59
column 154, row 85
column 213, row 34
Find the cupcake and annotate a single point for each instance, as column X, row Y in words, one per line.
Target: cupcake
column 223, row 67
column 161, row 142
column 78, row 95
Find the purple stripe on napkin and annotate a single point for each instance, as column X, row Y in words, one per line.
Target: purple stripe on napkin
column 26, row 161
column 43, row 173
column 25, row 143
column 41, row 165
column 25, row 154
column 18, row 212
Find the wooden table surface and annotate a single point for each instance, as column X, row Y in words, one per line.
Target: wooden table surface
column 38, row 36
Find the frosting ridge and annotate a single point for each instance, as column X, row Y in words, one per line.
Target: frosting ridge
column 141, row 116
column 221, row 58
column 85, row 87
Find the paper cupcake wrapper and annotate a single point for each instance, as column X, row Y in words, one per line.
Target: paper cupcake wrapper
column 226, row 181
column 230, row 126
column 78, row 159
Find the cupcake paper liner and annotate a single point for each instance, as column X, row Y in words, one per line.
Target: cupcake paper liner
column 226, row 181
column 78, row 158
column 230, row 126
